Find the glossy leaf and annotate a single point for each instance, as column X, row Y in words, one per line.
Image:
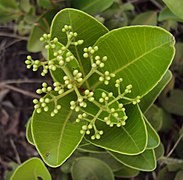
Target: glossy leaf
column 150, row 97
column 175, row 7
column 91, row 168
column 144, row 162
column 92, row 6
column 29, row 132
column 32, row 169
column 126, row 172
column 129, row 139
column 146, row 18
column 153, row 138
column 79, row 21
column 56, row 137
column 140, row 55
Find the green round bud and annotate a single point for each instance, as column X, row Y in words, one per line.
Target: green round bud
column 35, row 101
column 38, row 110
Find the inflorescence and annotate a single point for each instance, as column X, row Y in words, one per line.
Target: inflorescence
column 110, row 111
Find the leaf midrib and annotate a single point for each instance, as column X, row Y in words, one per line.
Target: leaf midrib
column 132, row 62
column 139, row 57
column 61, row 134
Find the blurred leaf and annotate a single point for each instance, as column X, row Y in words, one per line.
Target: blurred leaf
column 175, row 7
column 174, row 103
column 9, row 4
column 108, row 159
column 145, row 161
column 126, row 172
column 90, row 168
column 44, row 3
column 159, row 151
column 91, row 6
column 146, row 18
column 165, row 174
column 25, row 5
column 9, row 173
column 155, row 117
column 150, row 97
column 39, row 28
column 179, row 175
column 178, row 59
column 169, row 25
column 29, row 132
column 31, row 169
column 166, row 14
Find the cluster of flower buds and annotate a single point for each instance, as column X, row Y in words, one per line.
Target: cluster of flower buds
column 58, row 87
column 105, row 97
column 106, row 77
column 40, row 104
column 71, row 35
column 50, row 44
column 97, row 134
column 99, row 62
column 89, row 51
column 77, row 105
column 32, row 63
column 77, row 75
column 45, row 88
column 136, row 100
column 56, row 109
column 89, row 95
column 68, row 82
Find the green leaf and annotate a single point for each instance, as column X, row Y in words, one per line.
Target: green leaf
column 155, row 117
column 108, row 159
column 179, row 175
column 153, row 138
column 159, row 151
column 56, row 137
column 29, row 132
column 87, row 147
column 175, row 7
column 146, row 18
column 140, row 55
column 79, row 21
column 90, row 168
column 25, row 5
column 31, row 169
column 165, row 174
column 174, row 103
column 144, row 162
column 44, row 3
column 129, row 139
column 126, row 172
column 9, row 4
column 150, row 97
column 42, row 26
column 166, row 14
column 92, row 6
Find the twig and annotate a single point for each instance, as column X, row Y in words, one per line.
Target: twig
column 15, row 150
column 175, row 145
column 156, row 4
column 13, row 36
column 27, row 93
column 18, row 81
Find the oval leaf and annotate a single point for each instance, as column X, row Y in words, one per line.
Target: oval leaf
column 87, row 28
column 56, row 137
column 32, row 169
column 129, row 139
column 145, row 161
column 90, row 168
column 139, row 54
